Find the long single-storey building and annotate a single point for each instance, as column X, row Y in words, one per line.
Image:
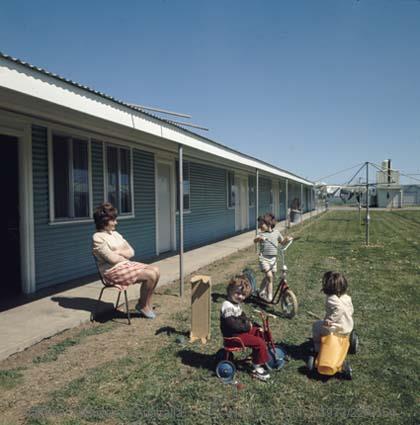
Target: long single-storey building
column 67, row 148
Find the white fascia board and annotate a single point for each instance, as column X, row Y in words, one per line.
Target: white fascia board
column 20, row 78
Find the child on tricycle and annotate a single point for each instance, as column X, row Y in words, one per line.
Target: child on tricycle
column 239, row 332
column 333, row 336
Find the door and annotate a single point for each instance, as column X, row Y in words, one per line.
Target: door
column 241, row 206
column 9, row 228
column 164, row 202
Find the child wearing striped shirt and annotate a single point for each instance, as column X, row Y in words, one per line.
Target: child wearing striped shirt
column 268, row 237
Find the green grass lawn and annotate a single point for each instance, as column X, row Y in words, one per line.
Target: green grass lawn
column 177, row 384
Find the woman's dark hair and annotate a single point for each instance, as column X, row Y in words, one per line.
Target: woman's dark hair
column 334, row 283
column 104, row 214
column 240, row 284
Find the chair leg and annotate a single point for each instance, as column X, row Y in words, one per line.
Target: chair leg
column 118, row 300
column 93, row 314
column 126, row 304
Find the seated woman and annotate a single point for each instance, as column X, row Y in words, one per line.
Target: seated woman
column 113, row 253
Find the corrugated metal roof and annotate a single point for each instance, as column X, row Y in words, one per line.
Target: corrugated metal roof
column 138, row 110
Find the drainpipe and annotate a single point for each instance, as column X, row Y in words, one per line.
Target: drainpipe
column 257, row 199
column 287, row 204
column 301, row 203
column 181, row 220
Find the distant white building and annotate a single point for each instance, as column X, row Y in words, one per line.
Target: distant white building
column 411, row 195
column 389, row 192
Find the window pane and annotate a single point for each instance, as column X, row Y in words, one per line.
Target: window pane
column 112, row 171
column 61, row 176
column 80, row 178
column 125, row 183
column 186, row 184
column 231, row 189
column 251, row 195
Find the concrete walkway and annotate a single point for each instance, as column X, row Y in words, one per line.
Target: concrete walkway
column 25, row 325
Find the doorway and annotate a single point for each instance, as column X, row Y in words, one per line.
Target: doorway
column 164, row 206
column 9, row 227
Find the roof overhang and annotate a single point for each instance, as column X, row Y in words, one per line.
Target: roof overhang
column 28, row 80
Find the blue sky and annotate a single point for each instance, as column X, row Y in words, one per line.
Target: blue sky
column 313, row 86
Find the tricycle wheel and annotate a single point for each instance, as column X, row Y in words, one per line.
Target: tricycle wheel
column 289, row 304
column 310, row 364
column 225, row 370
column 354, row 343
column 252, row 280
column 347, row 371
column 277, row 358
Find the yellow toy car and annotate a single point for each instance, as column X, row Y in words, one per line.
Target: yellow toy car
column 331, row 358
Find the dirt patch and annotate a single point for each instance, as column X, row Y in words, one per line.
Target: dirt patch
column 54, row 362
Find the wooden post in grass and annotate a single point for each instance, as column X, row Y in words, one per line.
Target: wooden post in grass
column 200, row 308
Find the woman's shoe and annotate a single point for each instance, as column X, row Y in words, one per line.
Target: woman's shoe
column 147, row 314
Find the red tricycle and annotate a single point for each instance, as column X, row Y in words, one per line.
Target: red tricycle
column 225, row 362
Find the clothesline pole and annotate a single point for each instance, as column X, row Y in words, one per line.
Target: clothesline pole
column 181, row 221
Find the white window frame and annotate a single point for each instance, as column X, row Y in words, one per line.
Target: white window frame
column 176, row 179
column 230, row 207
column 105, row 170
column 70, row 135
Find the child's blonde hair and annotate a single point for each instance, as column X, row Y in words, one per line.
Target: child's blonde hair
column 239, row 284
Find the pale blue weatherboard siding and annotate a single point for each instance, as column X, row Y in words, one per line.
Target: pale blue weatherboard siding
column 63, row 252
column 264, row 195
column 209, row 219
column 97, row 173
column 141, row 230
column 252, row 218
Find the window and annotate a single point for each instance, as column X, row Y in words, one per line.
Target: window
column 186, row 184
column 118, row 178
column 231, row 189
column 71, row 177
column 251, row 191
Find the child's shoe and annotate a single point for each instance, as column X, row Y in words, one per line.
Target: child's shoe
column 260, row 373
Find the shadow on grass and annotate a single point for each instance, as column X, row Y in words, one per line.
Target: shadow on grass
column 209, row 361
column 216, row 297
column 197, row 360
column 169, row 330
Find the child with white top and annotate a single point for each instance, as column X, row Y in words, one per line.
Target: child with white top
column 338, row 309
column 234, row 323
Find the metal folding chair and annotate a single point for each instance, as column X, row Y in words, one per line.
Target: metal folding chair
column 106, row 286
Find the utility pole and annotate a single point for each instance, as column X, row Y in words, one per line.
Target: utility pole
column 367, row 203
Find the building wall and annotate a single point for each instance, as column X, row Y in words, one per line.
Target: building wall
column 411, row 195
column 265, row 185
column 387, row 198
column 63, row 251
column 210, row 218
